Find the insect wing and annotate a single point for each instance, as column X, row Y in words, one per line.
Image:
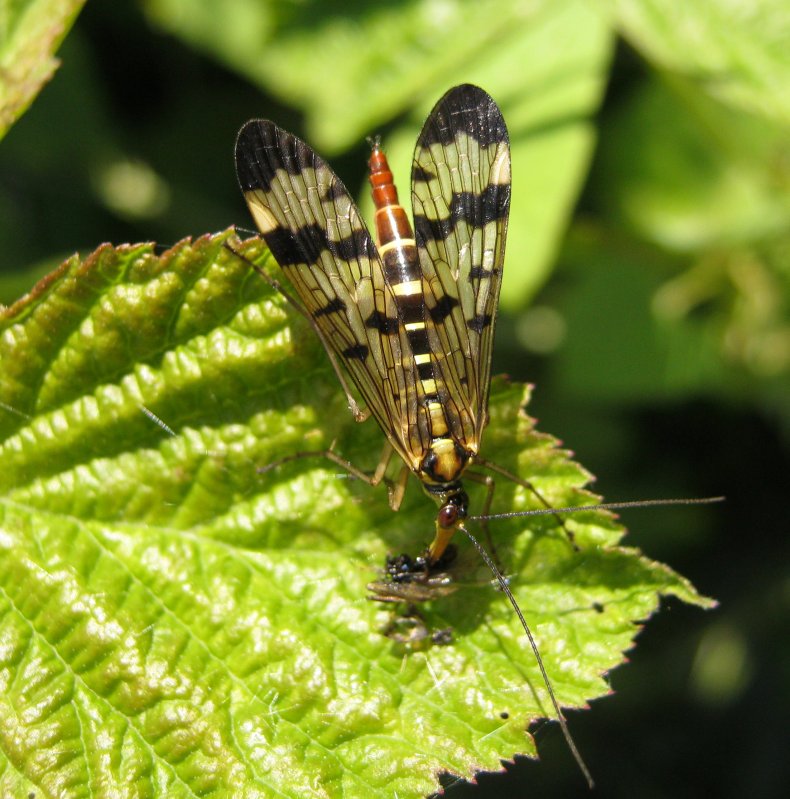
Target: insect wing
column 318, row 238
column 461, row 201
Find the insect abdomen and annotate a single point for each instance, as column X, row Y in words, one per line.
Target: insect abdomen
column 397, row 247
column 443, row 461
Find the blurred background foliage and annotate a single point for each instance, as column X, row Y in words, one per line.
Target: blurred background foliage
column 647, row 284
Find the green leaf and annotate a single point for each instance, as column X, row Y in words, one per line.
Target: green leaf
column 382, row 56
column 688, row 179
column 30, row 33
column 740, row 52
column 176, row 621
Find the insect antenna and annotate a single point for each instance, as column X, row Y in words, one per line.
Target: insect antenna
column 505, row 588
column 638, row 503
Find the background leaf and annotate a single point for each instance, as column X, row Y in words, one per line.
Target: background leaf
column 547, row 107
column 30, row 32
column 738, row 53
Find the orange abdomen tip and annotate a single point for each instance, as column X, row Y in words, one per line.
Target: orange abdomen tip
column 380, row 176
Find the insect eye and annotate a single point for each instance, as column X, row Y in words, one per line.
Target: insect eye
column 448, row 515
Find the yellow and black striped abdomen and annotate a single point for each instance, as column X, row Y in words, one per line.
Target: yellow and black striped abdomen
column 440, row 455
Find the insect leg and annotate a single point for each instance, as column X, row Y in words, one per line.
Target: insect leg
column 395, row 489
column 488, row 482
column 398, row 488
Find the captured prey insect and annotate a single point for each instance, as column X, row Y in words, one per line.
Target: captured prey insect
column 412, row 316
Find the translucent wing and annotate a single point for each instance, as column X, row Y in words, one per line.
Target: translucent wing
column 316, row 234
column 461, row 200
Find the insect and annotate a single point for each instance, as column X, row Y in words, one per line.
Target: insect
column 411, row 316
column 412, row 320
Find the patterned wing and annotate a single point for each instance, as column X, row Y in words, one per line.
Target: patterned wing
column 461, row 200
column 316, row 234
